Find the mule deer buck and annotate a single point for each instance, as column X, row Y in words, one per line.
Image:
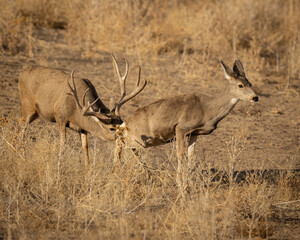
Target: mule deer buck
column 185, row 116
column 47, row 93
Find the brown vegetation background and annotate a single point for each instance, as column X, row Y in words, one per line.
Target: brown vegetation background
column 244, row 180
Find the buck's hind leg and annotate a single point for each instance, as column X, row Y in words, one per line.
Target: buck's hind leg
column 28, row 117
column 29, row 114
column 25, row 120
column 62, row 129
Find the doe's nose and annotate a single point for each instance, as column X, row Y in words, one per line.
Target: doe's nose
column 255, row 99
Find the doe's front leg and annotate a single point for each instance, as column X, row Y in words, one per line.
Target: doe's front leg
column 118, row 150
column 181, row 155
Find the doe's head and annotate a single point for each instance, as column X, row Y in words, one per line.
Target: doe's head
column 239, row 85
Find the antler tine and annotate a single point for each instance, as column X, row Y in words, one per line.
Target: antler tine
column 122, row 79
column 92, row 113
column 139, row 77
column 75, row 94
column 83, row 96
column 135, row 92
column 98, row 114
column 86, row 108
column 74, row 90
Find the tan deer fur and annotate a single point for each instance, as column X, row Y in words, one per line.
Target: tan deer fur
column 185, row 116
column 47, row 93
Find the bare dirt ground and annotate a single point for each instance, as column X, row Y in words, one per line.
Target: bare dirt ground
column 269, row 129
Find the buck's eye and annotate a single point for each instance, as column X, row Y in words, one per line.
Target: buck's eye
column 240, row 85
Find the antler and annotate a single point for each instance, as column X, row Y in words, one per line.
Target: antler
column 83, row 107
column 122, row 80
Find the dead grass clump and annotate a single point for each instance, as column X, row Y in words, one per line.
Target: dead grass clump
column 18, row 19
column 262, row 32
column 14, row 29
column 50, row 14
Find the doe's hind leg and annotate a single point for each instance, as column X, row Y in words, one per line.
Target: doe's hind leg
column 118, row 151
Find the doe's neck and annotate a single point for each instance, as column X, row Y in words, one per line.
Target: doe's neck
column 220, row 106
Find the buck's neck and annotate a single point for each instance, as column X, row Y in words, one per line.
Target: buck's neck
column 219, row 107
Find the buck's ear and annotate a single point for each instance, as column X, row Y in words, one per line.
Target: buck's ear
column 238, row 68
column 227, row 71
column 112, row 104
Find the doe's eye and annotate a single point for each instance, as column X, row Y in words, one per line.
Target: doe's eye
column 240, row 85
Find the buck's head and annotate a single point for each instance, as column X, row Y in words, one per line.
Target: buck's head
column 240, row 87
column 108, row 120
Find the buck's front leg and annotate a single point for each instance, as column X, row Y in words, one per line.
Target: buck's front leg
column 62, row 128
column 181, row 153
column 84, row 144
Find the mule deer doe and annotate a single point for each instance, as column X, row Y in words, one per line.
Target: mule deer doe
column 185, row 116
column 46, row 93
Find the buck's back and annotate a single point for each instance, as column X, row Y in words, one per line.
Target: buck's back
column 44, row 81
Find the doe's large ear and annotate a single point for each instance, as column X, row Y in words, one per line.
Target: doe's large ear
column 112, row 104
column 227, row 71
column 238, row 68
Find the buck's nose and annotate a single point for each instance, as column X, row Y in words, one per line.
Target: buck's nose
column 255, row 99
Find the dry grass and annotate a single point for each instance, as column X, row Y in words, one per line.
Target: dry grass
column 130, row 200
column 266, row 32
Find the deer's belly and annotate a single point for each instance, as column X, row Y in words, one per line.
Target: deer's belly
column 205, row 130
column 44, row 114
column 146, row 141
